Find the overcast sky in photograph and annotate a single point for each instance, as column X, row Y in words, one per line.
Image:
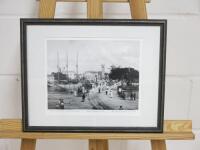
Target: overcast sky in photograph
column 92, row 54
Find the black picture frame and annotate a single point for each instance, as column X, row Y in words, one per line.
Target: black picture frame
column 92, row 22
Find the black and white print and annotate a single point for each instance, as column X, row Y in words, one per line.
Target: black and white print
column 93, row 74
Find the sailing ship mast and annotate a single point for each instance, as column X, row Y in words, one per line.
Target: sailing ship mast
column 77, row 55
column 67, row 65
column 58, row 66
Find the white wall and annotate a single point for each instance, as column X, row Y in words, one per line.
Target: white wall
column 183, row 59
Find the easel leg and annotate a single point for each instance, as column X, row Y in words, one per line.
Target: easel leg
column 98, row 144
column 47, row 8
column 28, row 144
column 95, row 9
column 158, row 145
column 138, row 9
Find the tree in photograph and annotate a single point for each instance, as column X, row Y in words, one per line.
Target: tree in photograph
column 126, row 74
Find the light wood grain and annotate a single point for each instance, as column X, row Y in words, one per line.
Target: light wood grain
column 110, row 136
column 28, row 144
column 47, row 8
column 173, row 130
column 106, row 1
column 95, row 9
column 177, row 126
column 169, row 125
column 138, row 9
column 10, row 125
column 98, row 144
column 158, row 145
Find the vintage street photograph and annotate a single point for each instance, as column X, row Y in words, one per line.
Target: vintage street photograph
column 93, row 74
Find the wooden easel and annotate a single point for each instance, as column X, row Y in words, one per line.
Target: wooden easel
column 173, row 130
column 94, row 8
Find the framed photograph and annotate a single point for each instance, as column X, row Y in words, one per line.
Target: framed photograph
column 81, row 75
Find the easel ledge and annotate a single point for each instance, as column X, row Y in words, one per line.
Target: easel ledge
column 173, row 130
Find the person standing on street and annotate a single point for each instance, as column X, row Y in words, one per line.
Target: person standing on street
column 111, row 93
column 134, row 96
column 131, row 96
column 61, row 103
column 83, row 97
column 99, row 90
